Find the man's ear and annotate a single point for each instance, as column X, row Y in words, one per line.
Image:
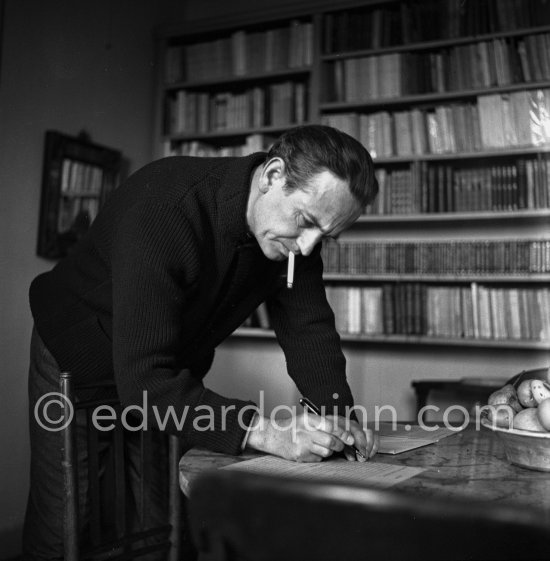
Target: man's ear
column 273, row 175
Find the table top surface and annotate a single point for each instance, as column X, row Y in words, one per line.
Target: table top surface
column 469, row 464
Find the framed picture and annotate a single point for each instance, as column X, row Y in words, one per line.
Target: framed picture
column 77, row 179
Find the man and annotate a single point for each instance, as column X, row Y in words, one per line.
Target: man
column 178, row 258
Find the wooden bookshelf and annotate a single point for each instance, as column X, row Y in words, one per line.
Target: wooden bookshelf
column 420, row 99
column 254, row 332
column 257, row 333
column 519, row 203
column 465, row 278
column 222, row 135
column 220, row 84
column 500, row 153
column 431, row 45
column 233, row 80
column 443, row 341
column 542, row 215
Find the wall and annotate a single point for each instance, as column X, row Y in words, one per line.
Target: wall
column 89, row 64
column 66, row 66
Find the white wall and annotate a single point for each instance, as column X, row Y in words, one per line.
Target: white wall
column 66, row 66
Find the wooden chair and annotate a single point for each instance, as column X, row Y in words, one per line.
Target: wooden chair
column 468, row 391
column 108, row 533
column 241, row 516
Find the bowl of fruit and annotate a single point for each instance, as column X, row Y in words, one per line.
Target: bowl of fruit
column 519, row 413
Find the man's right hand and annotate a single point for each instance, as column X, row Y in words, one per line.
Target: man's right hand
column 303, row 438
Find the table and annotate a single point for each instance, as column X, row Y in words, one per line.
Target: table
column 470, row 464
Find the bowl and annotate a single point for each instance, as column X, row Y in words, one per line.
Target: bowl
column 535, row 373
column 524, row 448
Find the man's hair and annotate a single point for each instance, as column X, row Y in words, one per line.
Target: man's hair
column 311, row 149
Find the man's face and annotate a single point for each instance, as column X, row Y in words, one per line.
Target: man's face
column 283, row 221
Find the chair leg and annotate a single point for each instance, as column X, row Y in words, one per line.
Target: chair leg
column 175, row 497
column 70, row 514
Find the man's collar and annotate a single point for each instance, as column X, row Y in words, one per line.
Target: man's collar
column 236, row 184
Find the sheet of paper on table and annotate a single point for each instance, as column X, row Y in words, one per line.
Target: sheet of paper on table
column 398, row 438
column 335, row 470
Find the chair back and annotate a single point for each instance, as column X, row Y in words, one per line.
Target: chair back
column 104, row 526
column 241, row 516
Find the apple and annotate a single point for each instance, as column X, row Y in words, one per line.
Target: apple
column 543, row 413
column 525, row 395
column 540, row 390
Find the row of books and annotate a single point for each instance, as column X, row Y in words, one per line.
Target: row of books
column 471, row 312
column 499, row 62
column 493, row 121
column 253, row 143
column 80, row 179
column 430, row 187
column 402, row 23
column 76, row 213
column 272, row 105
column 258, row 318
column 454, row 258
column 242, row 53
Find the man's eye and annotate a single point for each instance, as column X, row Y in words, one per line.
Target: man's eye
column 304, row 222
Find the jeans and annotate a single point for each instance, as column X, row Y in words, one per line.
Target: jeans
column 43, row 529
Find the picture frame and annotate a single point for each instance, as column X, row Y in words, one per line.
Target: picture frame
column 78, row 177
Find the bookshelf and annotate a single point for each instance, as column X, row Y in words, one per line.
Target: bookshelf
column 255, row 333
column 452, row 99
column 233, row 91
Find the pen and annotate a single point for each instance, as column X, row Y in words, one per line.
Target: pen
column 308, row 404
column 290, row 271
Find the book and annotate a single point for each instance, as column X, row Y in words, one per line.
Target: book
column 396, row 438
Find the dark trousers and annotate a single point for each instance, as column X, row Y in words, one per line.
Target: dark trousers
column 43, row 530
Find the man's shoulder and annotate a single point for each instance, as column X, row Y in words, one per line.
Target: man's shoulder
column 195, row 167
column 184, row 171
column 177, row 177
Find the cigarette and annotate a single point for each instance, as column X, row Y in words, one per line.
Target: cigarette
column 290, row 271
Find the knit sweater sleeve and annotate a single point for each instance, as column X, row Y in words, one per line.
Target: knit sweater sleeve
column 155, row 267
column 305, row 328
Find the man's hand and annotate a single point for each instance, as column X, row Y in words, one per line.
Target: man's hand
column 310, row 438
column 365, row 440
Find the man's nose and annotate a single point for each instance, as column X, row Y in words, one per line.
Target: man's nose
column 307, row 240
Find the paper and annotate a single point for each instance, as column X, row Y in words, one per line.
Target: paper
column 335, row 470
column 398, row 438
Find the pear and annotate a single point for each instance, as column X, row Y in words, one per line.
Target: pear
column 506, row 395
column 528, row 420
column 501, row 416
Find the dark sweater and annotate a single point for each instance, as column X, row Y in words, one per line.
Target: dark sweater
column 165, row 273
